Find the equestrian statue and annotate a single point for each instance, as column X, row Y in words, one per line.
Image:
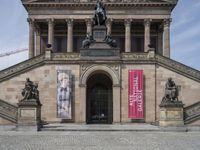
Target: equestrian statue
column 100, row 13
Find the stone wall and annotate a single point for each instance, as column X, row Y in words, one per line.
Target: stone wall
column 155, row 78
column 149, row 91
column 189, row 93
column 46, row 77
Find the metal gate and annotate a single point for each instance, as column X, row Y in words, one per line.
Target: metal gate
column 99, row 105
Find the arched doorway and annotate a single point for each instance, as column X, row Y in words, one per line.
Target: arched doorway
column 99, row 103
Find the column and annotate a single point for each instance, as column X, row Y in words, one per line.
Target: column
column 109, row 25
column 116, row 104
column 51, row 32
column 89, row 25
column 69, row 35
column 160, row 40
column 31, row 38
column 128, row 35
column 38, row 42
column 147, row 24
column 166, row 51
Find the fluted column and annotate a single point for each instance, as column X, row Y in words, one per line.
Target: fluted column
column 89, row 25
column 128, row 35
column 160, row 40
column 69, row 35
column 38, row 42
column 109, row 25
column 166, row 50
column 31, row 38
column 51, row 32
column 147, row 24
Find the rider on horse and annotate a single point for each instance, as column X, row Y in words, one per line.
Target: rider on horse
column 100, row 13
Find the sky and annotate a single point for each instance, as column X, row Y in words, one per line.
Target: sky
column 185, row 30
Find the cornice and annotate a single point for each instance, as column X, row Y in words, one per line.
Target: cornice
column 126, row 58
column 91, row 3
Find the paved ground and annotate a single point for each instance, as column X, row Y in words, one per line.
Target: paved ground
column 103, row 140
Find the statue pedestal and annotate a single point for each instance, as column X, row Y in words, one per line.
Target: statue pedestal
column 29, row 115
column 99, row 33
column 99, row 49
column 171, row 114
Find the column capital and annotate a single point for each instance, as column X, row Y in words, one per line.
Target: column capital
column 30, row 21
column 147, row 22
column 88, row 21
column 127, row 22
column 50, row 21
column 167, row 21
column 109, row 21
column 38, row 32
column 69, row 21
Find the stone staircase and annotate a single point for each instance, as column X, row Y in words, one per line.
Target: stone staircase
column 192, row 113
column 8, row 111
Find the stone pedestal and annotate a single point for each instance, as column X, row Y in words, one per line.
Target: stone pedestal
column 48, row 53
column 99, row 49
column 29, row 115
column 99, row 33
column 171, row 114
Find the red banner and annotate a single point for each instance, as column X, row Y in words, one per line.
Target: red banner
column 136, row 95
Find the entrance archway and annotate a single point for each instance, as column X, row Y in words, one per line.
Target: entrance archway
column 99, row 99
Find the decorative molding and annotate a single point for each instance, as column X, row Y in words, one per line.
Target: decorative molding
column 65, row 56
column 8, row 111
column 125, row 58
column 94, row 1
column 192, row 112
column 17, row 69
column 113, row 70
column 91, row 3
column 135, row 56
column 178, row 67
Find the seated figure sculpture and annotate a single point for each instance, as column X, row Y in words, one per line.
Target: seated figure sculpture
column 108, row 39
column 30, row 91
column 171, row 92
column 88, row 40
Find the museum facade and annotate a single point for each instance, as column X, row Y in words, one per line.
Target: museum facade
column 99, row 83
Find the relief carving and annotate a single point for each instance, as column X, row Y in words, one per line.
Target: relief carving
column 112, row 69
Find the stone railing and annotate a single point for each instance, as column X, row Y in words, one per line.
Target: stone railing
column 8, row 111
column 192, row 113
column 178, row 67
column 65, row 56
column 18, row 68
column 139, row 58
column 135, row 56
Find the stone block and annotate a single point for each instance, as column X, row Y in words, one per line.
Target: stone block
column 171, row 116
column 29, row 115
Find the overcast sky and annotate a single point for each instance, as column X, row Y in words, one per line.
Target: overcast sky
column 185, row 30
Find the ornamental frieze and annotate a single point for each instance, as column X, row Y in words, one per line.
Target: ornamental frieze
column 94, row 1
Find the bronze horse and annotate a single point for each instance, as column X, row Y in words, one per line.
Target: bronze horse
column 100, row 14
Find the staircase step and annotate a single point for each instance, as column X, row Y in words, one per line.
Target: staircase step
column 100, row 127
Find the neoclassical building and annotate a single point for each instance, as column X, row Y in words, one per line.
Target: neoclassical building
column 98, row 82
